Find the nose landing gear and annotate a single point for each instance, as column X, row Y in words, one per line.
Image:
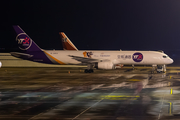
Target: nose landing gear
column 159, row 68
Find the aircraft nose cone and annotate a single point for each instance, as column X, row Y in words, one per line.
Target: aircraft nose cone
column 171, row 61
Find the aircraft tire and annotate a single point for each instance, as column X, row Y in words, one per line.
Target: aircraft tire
column 88, row 70
column 91, row 70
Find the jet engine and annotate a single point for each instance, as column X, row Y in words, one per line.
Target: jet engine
column 105, row 65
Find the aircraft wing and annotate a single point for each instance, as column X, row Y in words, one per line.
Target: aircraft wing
column 21, row 55
column 86, row 60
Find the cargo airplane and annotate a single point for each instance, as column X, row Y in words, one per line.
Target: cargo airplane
column 29, row 50
column 68, row 45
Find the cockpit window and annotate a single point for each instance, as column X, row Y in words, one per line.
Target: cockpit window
column 164, row 56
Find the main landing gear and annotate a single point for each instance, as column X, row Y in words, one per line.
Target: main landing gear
column 90, row 69
column 154, row 69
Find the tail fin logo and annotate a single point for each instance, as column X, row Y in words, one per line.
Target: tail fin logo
column 24, row 41
column 64, row 39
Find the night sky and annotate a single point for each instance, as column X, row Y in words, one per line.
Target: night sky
column 94, row 24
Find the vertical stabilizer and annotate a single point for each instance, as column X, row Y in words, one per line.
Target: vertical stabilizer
column 25, row 43
column 67, row 44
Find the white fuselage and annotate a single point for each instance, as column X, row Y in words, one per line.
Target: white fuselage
column 116, row 57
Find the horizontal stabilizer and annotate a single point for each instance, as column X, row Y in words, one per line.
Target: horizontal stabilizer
column 21, row 55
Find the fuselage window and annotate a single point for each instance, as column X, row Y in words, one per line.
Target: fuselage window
column 164, row 56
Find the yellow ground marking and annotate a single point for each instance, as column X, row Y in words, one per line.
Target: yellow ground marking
column 134, row 80
column 171, row 91
column 170, row 107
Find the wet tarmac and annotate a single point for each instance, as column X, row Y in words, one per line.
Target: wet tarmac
column 71, row 94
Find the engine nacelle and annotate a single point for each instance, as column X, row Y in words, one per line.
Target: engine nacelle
column 105, row 65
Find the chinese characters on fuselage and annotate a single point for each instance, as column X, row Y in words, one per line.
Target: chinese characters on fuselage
column 124, row 56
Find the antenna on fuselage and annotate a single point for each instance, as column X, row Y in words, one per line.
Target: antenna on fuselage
column 161, row 51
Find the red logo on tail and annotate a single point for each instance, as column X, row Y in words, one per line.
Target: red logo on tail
column 26, row 41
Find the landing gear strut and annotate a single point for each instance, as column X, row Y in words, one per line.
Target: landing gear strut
column 164, row 68
column 133, row 67
column 154, row 68
column 90, row 69
column 159, row 68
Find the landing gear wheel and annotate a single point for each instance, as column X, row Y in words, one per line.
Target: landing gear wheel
column 88, row 70
column 91, row 70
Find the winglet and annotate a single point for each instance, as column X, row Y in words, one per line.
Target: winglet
column 67, row 44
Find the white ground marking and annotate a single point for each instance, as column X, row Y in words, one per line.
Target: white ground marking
column 96, row 86
column 115, row 77
column 159, row 116
column 87, row 109
column 90, row 107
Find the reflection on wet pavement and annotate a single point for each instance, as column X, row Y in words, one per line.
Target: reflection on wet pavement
column 53, row 93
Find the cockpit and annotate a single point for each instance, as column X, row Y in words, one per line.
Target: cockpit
column 165, row 56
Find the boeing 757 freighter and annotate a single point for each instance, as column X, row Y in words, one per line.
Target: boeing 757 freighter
column 68, row 45
column 97, row 59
